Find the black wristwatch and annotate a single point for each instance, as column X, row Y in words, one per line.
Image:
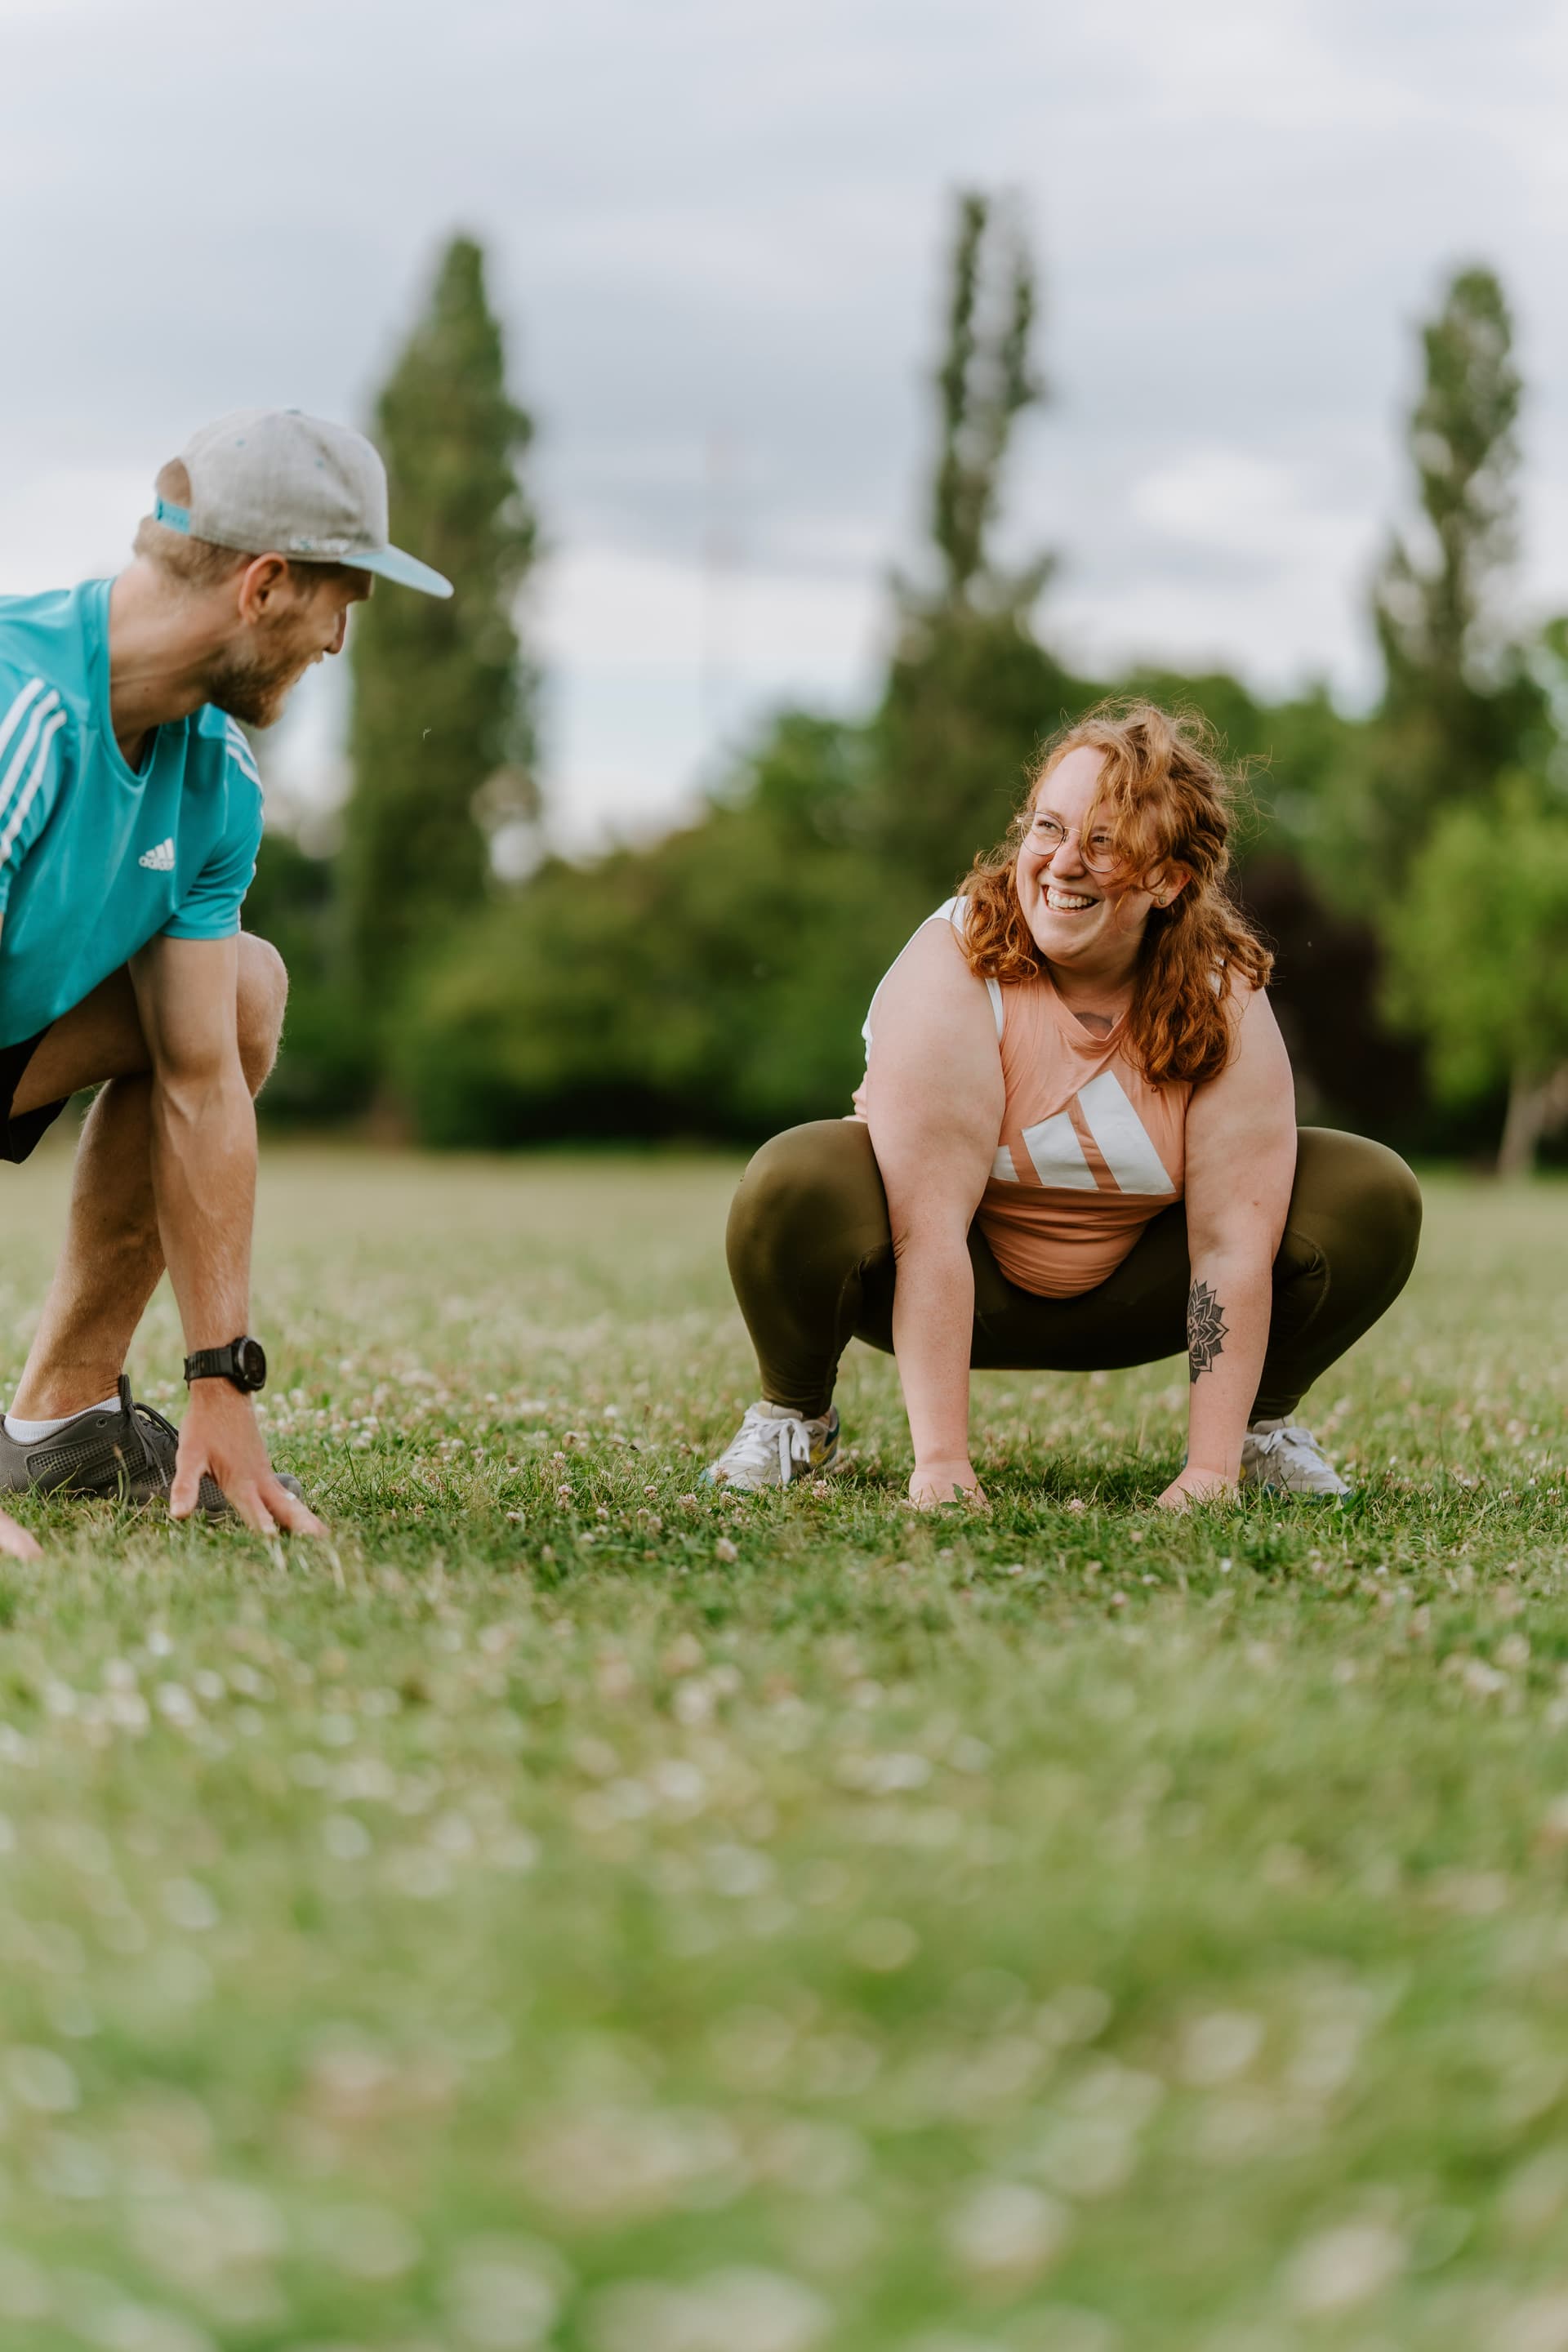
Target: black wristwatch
column 243, row 1361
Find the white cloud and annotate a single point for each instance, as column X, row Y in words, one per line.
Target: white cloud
column 66, row 523
column 1224, row 498
column 659, row 665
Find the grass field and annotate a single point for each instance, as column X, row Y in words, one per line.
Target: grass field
column 572, row 1912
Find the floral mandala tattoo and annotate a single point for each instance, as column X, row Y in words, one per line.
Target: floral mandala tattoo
column 1206, row 1331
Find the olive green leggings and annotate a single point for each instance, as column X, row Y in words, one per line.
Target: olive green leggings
column 810, row 1257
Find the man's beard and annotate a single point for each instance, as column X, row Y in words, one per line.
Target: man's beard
column 254, row 686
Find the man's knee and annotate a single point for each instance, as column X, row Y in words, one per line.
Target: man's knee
column 262, row 996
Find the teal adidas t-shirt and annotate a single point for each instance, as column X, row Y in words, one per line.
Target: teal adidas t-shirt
column 96, row 858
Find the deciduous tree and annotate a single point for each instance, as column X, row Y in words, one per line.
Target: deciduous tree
column 1478, row 958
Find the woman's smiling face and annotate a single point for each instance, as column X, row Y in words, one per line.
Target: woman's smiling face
column 1082, row 906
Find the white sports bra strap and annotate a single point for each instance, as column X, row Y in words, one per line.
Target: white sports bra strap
column 955, row 911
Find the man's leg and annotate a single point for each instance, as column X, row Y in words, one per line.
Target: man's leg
column 112, row 1256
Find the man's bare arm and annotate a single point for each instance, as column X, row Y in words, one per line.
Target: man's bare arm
column 15, row 1543
column 204, row 1182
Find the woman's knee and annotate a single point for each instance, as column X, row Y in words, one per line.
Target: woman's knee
column 1358, row 1199
column 806, row 1182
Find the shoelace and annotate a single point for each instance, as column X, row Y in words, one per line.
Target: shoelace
column 754, row 1445
column 794, row 1446
column 141, row 1413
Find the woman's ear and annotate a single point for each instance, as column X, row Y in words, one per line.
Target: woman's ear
column 1165, row 884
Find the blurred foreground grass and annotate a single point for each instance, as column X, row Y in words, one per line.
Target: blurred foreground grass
column 572, row 1912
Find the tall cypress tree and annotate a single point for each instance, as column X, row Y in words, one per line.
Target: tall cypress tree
column 442, row 731
column 970, row 691
column 1457, row 699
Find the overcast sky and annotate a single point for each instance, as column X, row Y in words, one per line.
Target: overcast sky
column 715, row 233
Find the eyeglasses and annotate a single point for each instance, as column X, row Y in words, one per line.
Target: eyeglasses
column 1047, row 834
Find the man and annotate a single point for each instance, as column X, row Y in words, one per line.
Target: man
column 129, row 815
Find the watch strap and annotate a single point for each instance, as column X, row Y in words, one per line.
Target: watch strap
column 243, row 1362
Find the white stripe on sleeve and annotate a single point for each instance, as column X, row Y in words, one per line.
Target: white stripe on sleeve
column 242, row 754
column 1123, row 1140
column 11, row 780
column 36, row 777
column 14, row 717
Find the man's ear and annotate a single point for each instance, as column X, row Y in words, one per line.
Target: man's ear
column 264, row 587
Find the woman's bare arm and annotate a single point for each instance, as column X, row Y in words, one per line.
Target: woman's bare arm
column 1241, row 1163
column 934, row 1104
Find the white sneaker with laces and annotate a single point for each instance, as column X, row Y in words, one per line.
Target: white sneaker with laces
column 773, row 1447
column 1281, row 1457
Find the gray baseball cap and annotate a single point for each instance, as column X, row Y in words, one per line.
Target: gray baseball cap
column 275, row 481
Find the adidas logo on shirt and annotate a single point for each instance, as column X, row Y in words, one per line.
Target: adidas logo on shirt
column 160, row 860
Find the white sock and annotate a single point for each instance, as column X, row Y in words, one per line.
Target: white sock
column 32, row 1432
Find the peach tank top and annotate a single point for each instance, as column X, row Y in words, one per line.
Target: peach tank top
column 1088, row 1151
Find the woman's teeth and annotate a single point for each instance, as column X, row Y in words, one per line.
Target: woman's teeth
column 1064, row 902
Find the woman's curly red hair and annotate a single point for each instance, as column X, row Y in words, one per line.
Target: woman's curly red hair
column 1166, row 800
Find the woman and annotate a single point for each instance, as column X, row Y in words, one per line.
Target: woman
column 1076, row 1148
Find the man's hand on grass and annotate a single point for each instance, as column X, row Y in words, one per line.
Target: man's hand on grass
column 1195, row 1485
column 15, row 1543
column 221, row 1436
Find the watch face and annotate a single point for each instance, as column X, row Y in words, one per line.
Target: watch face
column 250, row 1361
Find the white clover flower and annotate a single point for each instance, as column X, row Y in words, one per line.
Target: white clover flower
column 1007, row 2230
column 1218, row 2047
column 1539, row 2326
column 727, row 2311
column 503, row 2294
column 42, row 2080
column 1340, row 2268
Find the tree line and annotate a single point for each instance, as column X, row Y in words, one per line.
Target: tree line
column 1409, row 865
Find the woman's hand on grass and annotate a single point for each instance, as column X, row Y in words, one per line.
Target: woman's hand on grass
column 15, row 1543
column 1195, row 1485
column 936, row 1485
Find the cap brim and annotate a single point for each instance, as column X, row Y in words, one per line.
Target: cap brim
column 391, row 564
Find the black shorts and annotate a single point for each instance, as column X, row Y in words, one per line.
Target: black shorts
column 18, row 1134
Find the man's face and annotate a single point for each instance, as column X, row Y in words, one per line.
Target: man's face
column 301, row 622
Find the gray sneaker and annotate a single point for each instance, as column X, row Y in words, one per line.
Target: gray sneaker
column 126, row 1453
column 773, row 1447
column 1281, row 1457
